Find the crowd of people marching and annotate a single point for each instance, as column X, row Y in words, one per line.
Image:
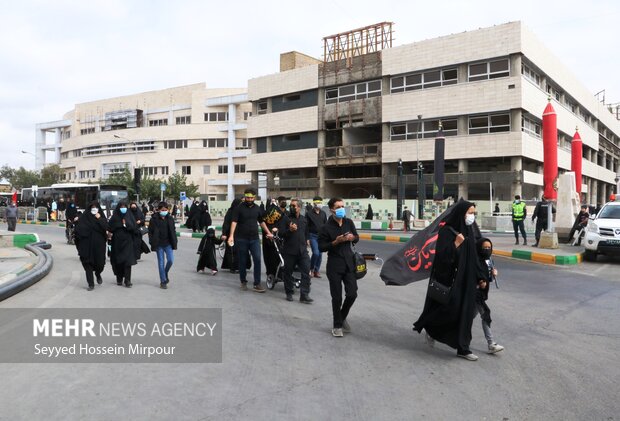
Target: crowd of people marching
column 461, row 263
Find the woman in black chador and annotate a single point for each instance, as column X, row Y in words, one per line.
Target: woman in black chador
column 123, row 227
column 206, row 249
column 204, row 216
column 91, row 236
column 139, row 217
column 455, row 264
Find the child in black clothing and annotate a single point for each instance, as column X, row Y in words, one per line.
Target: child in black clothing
column 206, row 250
column 487, row 274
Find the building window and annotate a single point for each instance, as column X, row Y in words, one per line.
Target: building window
column 247, row 114
column 87, row 174
column 87, row 131
column 423, row 80
column 64, row 155
column 66, row 134
column 489, row 123
column 149, row 170
column 531, row 126
column 186, row 169
column 530, row 74
column 350, row 92
column 175, row 144
column 427, row 129
column 77, row 152
column 206, row 169
column 489, row 70
column 159, row 122
column 215, row 117
column 222, row 169
column 243, row 144
column 261, row 107
column 292, row 137
column 187, row 119
column 164, row 170
column 239, row 168
column 291, row 98
column 215, row 143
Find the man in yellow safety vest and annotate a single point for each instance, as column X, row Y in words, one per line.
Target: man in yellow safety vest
column 519, row 213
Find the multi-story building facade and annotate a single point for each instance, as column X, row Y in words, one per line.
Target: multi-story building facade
column 339, row 126
column 193, row 130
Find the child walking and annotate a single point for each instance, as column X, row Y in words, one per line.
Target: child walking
column 487, row 274
column 206, row 250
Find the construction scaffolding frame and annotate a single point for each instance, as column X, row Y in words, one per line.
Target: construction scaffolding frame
column 357, row 42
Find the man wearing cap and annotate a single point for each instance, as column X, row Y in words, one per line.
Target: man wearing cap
column 244, row 233
column 316, row 218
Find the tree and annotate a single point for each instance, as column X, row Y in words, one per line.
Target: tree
column 150, row 188
column 178, row 183
column 123, row 179
column 51, row 175
column 23, row 178
column 7, row 173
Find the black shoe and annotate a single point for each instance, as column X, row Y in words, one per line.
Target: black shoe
column 163, row 286
column 90, row 288
column 517, row 243
column 305, row 299
column 129, row 285
column 289, row 297
column 119, row 283
column 99, row 280
column 535, row 244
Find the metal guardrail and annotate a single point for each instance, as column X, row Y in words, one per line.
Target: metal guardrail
column 372, row 150
column 299, row 183
column 461, row 177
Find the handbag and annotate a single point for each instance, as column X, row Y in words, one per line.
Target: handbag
column 359, row 263
column 438, row 291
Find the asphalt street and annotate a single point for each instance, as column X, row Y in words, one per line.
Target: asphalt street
column 559, row 326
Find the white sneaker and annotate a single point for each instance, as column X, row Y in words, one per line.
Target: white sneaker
column 337, row 332
column 429, row 340
column 470, row 357
column 345, row 326
column 494, row 348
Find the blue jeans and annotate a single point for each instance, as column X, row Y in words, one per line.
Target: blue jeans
column 242, row 246
column 317, row 256
column 164, row 253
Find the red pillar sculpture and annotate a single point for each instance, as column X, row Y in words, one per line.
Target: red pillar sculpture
column 550, row 151
column 576, row 157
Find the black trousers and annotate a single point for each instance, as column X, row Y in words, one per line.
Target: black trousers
column 519, row 225
column 336, row 278
column 303, row 262
column 89, row 269
column 540, row 225
column 11, row 222
column 121, row 272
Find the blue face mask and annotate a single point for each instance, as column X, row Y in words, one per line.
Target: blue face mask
column 340, row 213
column 123, row 211
column 163, row 213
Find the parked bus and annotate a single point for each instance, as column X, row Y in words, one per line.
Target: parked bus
column 81, row 194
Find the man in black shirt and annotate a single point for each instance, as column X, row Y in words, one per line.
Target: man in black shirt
column 244, row 233
column 316, row 219
column 541, row 216
column 335, row 238
column 295, row 253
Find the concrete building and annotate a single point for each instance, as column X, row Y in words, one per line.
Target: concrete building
column 193, row 130
column 339, row 126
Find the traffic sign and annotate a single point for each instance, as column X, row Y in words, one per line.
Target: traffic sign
column 183, row 196
column 162, row 186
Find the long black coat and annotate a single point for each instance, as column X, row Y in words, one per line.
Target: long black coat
column 457, row 267
column 91, row 240
column 206, row 249
column 123, row 237
column 137, row 243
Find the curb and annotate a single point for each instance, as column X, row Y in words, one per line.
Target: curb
column 548, row 259
column 30, row 276
column 33, row 222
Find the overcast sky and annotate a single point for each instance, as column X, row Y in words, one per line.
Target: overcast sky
column 54, row 54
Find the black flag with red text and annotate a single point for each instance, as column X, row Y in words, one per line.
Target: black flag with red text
column 414, row 260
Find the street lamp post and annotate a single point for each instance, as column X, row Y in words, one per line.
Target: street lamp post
column 420, row 174
column 399, row 189
column 135, row 150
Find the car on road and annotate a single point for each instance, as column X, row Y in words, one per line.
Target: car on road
column 603, row 232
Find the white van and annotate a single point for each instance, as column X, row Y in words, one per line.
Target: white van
column 603, row 232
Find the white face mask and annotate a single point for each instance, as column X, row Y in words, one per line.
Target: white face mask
column 470, row 218
column 94, row 211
